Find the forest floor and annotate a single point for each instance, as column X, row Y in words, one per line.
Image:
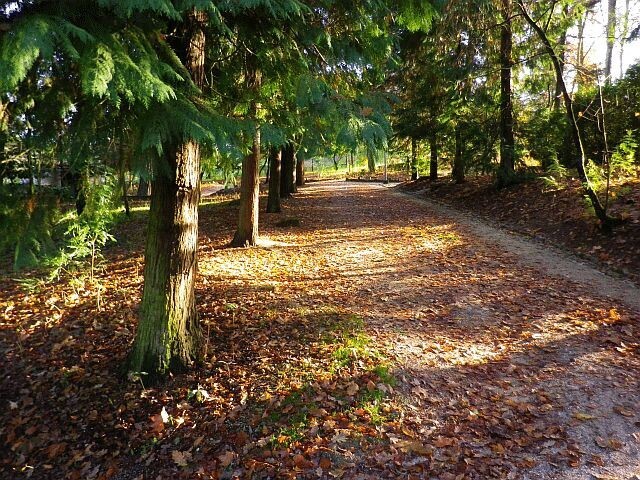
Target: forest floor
column 370, row 335
column 552, row 214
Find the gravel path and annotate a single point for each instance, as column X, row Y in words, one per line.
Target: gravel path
column 513, row 358
column 547, row 259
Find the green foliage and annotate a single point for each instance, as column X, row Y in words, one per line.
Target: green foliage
column 27, row 222
column 623, row 160
column 554, row 174
column 88, row 233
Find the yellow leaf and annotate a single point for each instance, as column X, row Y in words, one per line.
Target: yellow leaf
column 583, row 416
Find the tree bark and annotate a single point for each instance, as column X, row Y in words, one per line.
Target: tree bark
column 122, row 169
column 433, row 156
column 275, row 161
column 562, row 42
column 623, row 35
column 169, row 337
column 287, row 182
column 143, row 188
column 611, row 38
column 605, row 221
column 414, row 160
column 457, row 172
column 506, row 171
column 299, row 169
column 371, row 161
column 247, row 231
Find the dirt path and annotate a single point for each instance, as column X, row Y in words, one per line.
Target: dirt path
column 515, row 361
column 511, row 361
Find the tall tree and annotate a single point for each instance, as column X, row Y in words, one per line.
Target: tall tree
column 275, row 162
column 168, row 336
column 247, row 230
column 611, row 38
column 605, row 220
column 506, row 171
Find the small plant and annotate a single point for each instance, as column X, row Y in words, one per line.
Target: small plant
column 554, row 174
column 623, row 158
column 88, row 233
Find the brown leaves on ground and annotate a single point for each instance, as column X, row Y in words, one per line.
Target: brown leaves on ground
column 374, row 340
column 556, row 215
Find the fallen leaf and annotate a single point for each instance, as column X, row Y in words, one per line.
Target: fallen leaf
column 181, row 458
column 625, row 412
column 226, row 458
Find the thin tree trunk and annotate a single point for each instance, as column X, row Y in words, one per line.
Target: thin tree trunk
column 623, row 35
column 414, row 160
column 611, row 38
column 247, row 231
column 506, row 170
column 122, row 170
column 458, row 173
column 169, row 337
column 562, row 43
column 433, row 156
column 299, row 169
column 605, row 220
column 275, row 161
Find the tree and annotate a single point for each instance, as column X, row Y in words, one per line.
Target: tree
column 605, row 221
column 168, row 336
column 506, row 171
column 275, row 162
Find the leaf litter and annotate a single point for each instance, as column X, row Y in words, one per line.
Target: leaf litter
column 374, row 339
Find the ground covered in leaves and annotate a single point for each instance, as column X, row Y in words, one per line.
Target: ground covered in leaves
column 557, row 214
column 366, row 337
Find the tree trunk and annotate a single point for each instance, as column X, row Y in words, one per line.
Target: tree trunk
column 562, row 43
column 143, row 188
column 414, row 160
column 275, row 161
column 605, row 220
column 433, row 156
column 247, row 231
column 457, row 172
column 506, row 171
column 623, row 35
column 287, row 183
column 169, row 338
column 371, row 161
column 122, row 168
column 611, row 38
column 299, row 169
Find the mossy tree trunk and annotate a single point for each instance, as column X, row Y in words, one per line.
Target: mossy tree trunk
column 169, row 337
column 273, row 201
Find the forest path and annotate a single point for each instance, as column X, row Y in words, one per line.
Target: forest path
column 515, row 361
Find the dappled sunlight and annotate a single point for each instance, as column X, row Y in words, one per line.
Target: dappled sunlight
column 371, row 324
